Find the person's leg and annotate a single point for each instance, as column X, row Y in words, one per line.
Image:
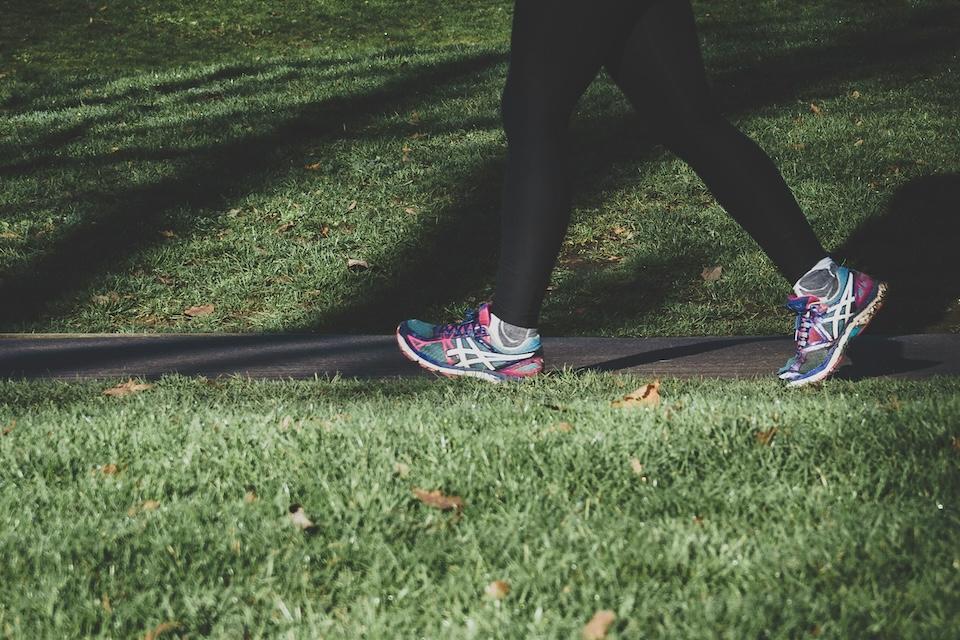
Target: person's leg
column 557, row 48
column 660, row 70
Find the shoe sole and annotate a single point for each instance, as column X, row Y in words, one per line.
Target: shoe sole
column 449, row 372
column 860, row 323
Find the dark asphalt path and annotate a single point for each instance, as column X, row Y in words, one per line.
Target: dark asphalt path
column 77, row 356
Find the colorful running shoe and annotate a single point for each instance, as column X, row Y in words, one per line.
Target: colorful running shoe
column 824, row 328
column 465, row 349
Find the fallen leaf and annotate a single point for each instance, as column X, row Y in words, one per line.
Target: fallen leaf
column 697, row 520
column 233, row 212
column 401, row 469
column 858, row 142
column 167, row 280
column 7, row 429
column 150, row 505
column 646, row 396
column 106, row 298
column 410, row 210
column 313, row 166
column 161, row 628
column 357, row 265
column 817, row 110
column 9, row 235
column 352, row 205
column 562, row 427
column 954, row 440
column 596, row 629
column 105, row 603
column 765, row 437
column 168, row 233
column 109, row 469
column 199, row 310
column 438, row 500
column 250, row 496
column 126, row 388
column 286, row 226
column 299, row 518
column 325, row 231
column 798, row 146
column 498, row 589
column 406, row 153
column 855, row 94
column 637, row 466
column 711, row 274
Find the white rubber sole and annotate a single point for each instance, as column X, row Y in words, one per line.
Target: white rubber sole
column 862, row 320
column 412, row 356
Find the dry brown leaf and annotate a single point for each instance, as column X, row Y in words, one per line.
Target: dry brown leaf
column 817, row 110
column 498, row 589
column 105, row 603
column 401, row 469
column 410, row 210
column 697, row 520
column 357, row 265
column 106, row 298
column 596, row 629
column 233, row 212
column 250, row 496
column 283, row 228
column 855, row 94
column 954, row 440
column 199, row 310
column 646, row 396
column 126, row 388
column 562, row 427
column 9, row 235
column 299, row 518
column 10, row 427
column 798, row 146
column 109, row 469
column 438, row 500
column 168, row 233
column 765, row 437
column 711, row 274
column 313, row 166
column 406, row 153
column 160, row 629
column 352, row 205
column 150, row 505
column 858, row 142
column 636, row 466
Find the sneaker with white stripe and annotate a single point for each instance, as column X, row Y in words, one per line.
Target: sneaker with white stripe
column 824, row 328
column 465, row 349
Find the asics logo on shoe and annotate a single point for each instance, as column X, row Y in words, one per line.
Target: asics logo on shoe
column 465, row 353
column 838, row 314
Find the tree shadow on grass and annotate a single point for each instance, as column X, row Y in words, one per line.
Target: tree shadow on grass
column 130, row 220
column 911, row 245
column 452, row 261
column 452, row 256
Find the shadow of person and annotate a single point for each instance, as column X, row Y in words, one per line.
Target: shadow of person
column 911, row 246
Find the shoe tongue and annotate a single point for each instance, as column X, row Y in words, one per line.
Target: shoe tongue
column 483, row 314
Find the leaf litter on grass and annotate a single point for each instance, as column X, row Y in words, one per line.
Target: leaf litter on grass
column 127, row 388
column 647, row 395
column 596, row 628
column 498, row 589
column 438, row 500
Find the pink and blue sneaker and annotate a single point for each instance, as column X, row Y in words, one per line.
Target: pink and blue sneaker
column 465, row 349
column 824, row 328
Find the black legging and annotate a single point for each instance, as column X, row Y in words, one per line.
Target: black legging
column 650, row 49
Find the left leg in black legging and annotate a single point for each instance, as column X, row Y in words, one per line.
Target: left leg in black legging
column 557, row 48
column 660, row 70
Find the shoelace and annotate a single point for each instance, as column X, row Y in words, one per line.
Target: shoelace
column 470, row 326
column 807, row 319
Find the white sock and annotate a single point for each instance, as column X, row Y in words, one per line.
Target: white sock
column 508, row 337
column 820, row 281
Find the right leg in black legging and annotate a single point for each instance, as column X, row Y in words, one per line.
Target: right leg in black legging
column 660, row 70
column 557, row 48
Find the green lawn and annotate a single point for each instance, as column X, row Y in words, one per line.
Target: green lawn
column 158, row 156
column 758, row 512
column 238, row 153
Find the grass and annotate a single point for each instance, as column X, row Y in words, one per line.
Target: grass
column 161, row 156
column 747, row 519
